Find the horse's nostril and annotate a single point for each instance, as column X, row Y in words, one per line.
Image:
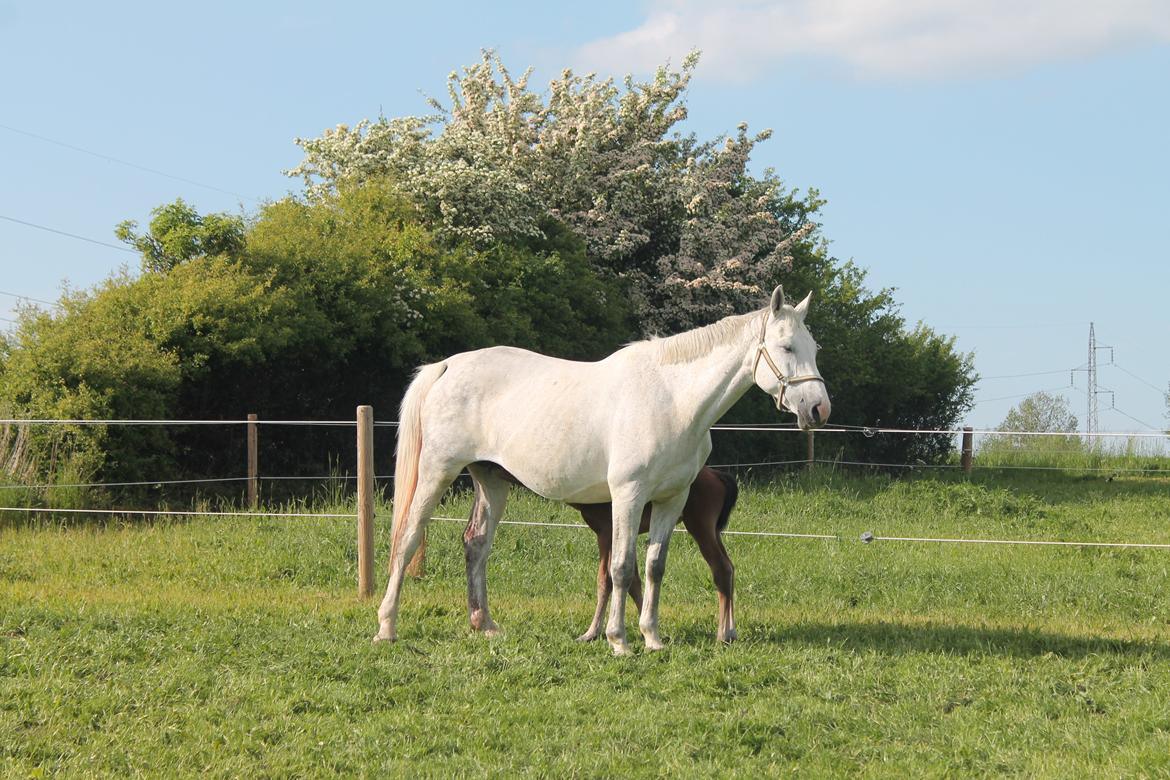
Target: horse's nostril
column 816, row 413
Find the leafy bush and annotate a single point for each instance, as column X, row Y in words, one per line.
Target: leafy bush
column 328, row 305
column 567, row 223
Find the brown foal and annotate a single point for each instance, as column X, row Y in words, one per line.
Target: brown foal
column 712, row 497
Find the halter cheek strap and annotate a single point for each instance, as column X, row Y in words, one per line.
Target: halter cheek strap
column 785, row 381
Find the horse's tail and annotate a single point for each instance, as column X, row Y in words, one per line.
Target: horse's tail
column 730, row 496
column 410, row 440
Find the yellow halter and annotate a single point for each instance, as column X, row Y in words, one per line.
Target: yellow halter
column 785, row 381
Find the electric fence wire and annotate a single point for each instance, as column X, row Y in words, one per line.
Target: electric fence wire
column 866, row 537
column 748, row 427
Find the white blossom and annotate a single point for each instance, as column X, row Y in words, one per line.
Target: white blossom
column 693, row 233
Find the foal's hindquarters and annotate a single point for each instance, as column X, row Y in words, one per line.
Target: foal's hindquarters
column 709, row 504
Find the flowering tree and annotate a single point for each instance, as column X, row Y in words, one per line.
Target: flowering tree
column 693, row 234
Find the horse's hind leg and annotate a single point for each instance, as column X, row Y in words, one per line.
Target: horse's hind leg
column 432, row 483
column 491, row 493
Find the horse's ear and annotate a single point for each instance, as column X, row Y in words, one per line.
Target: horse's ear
column 802, row 307
column 777, row 299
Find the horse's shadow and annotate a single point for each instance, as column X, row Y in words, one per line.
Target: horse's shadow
column 896, row 638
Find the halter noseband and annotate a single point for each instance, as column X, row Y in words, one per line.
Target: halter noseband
column 785, row 381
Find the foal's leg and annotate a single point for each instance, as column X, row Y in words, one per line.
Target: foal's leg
column 702, row 528
column 491, row 493
column 663, row 518
column 623, row 563
column 432, row 483
column 597, row 517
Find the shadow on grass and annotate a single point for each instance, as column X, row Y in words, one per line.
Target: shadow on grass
column 902, row 638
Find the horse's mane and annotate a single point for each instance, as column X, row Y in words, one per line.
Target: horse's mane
column 695, row 343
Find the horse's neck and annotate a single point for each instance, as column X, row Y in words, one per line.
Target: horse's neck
column 708, row 385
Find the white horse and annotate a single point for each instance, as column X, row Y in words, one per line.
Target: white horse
column 631, row 429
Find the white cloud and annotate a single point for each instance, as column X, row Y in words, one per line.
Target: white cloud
column 882, row 39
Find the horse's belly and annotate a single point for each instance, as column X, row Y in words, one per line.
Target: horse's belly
column 559, row 486
column 594, row 494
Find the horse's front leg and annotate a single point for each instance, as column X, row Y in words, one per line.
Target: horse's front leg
column 491, row 494
column 623, row 562
column 663, row 517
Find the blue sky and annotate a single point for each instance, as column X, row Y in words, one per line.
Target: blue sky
column 1004, row 166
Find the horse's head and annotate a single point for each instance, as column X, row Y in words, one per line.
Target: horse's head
column 785, row 362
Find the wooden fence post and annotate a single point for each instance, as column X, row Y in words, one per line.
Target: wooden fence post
column 811, row 450
column 365, row 500
column 967, row 457
column 253, row 464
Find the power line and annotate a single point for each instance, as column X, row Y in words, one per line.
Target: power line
column 1018, row 376
column 1136, row 420
column 28, row 298
column 127, row 163
column 1020, row 326
column 1159, row 390
column 65, row 233
column 1021, row 395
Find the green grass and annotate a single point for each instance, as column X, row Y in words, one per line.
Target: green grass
column 236, row 647
column 1112, row 456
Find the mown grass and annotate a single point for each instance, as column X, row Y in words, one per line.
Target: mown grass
column 236, row 647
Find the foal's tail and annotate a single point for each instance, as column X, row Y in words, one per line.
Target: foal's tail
column 410, row 440
column 730, row 496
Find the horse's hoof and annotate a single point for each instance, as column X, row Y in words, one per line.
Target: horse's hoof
column 588, row 636
column 728, row 637
column 621, row 650
column 380, row 637
column 493, row 631
column 654, row 644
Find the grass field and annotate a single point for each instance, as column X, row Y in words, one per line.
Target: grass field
column 236, row 647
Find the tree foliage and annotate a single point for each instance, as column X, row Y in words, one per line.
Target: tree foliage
column 1040, row 412
column 568, row 222
column 328, row 305
column 179, row 233
column 692, row 233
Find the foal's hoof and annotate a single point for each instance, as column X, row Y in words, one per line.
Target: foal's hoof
column 493, row 631
column 728, row 637
column 380, row 637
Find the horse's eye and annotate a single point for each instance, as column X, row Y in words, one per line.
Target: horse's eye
column 787, row 349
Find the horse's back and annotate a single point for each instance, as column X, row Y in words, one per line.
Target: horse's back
column 545, row 420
